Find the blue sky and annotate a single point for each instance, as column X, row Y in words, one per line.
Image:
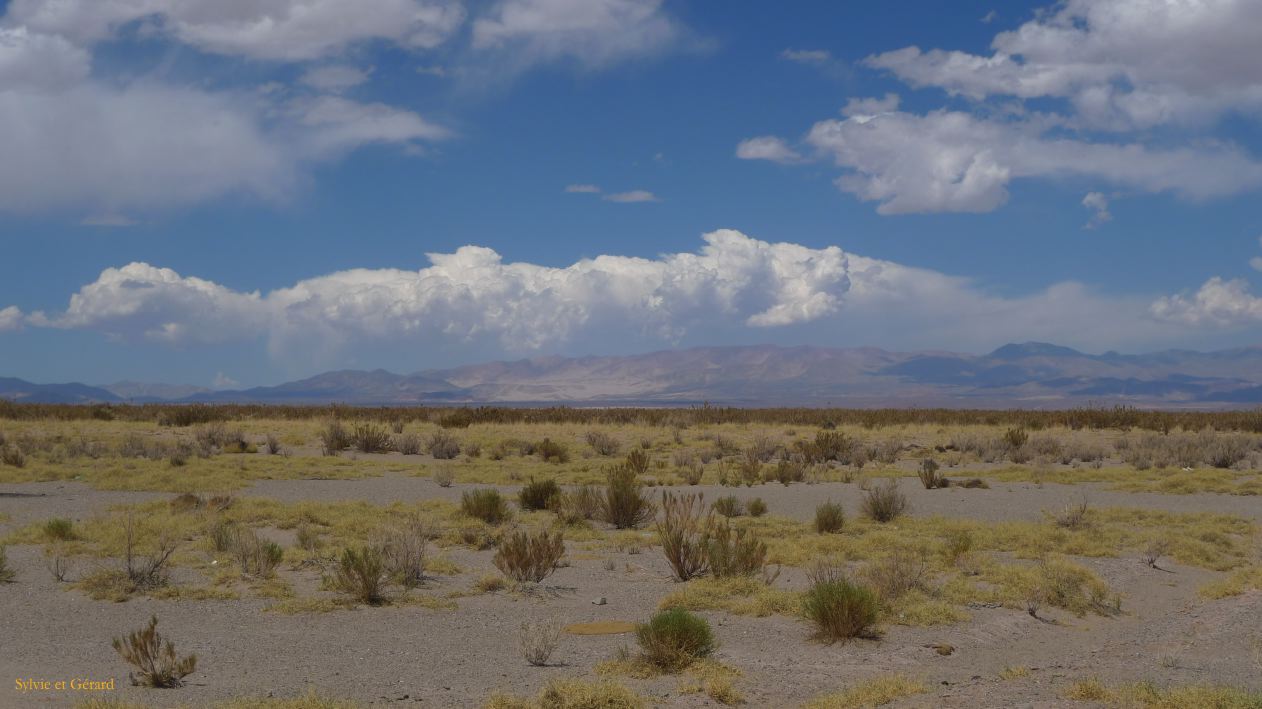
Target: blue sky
column 246, row 194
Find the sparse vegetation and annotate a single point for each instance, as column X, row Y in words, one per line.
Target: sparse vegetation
column 683, row 534
column 829, row 518
column 537, row 640
column 884, row 502
column 156, row 662
column 625, row 506
column 538, row 495
column 485, row 504
column 840, row 610
column 529, row 557
column 361, row 573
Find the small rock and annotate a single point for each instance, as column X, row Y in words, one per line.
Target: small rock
column 599, row 601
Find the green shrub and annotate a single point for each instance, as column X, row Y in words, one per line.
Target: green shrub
column 884, row 502
column 829, row 518
column 674, row 639
column 729, row 506
column 625, row 505
column 550, row 451
column 734, row 552
column 526, row 557
column 486, row 504
column 59, row 529
column 840, row 610
column 756, row 507
column 538, row 495
column 256, row 556
column 362, row 574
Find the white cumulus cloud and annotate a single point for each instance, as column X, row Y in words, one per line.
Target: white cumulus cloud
column 767, row 147
column 1219, row 302
column 272, row 30
column 1122, row 64
column 472, row 294
column 733, row 290
column 592, row 32
column 950, row 161
column 10, row 318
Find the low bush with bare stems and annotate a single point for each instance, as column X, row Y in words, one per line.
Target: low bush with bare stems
column 529, row 557
column 537, row 640
column 156, row 662
column 682, row 530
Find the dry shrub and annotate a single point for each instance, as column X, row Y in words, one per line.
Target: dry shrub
column 6, row 574
column 526, row 557
column 256, row 556
column 333, row 438
column 734, row 552
column 578, row 505
column 930, row 474
column 186, row 502
column 58, row 565
column 485, row 504
column 682, row 533
column 408, row 444
column 307, row 538
column 273, row 445
column 549, row 451
column 674, row 639
column 956, row 544
column 12, row 455
column 729, row 506
column 405, row 549
column 789, row 471
column 370, row 438
column 538, row 640
column 830, row 517
column 443, row 446
column 603, row 443
column 894, row 576
column 146, row 571
column 637, row 461
column 362, row 574
column 156, row 662
column 840, row 610
column 1072, row 516
column 625, row 506
column 538, row 495
column 444, row 475
column 885, row 502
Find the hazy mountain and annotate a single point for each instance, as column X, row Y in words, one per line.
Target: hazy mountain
column 1031, row 374
column 149, row 391
column 73, row 393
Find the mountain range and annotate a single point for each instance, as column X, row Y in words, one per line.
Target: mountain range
column 1028, row 375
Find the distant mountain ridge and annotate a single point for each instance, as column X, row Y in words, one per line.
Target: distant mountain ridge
column 1029, row 375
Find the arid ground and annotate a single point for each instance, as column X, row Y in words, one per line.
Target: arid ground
column 1085, row 565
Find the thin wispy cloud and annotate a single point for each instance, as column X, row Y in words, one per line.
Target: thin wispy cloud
column 631, row 197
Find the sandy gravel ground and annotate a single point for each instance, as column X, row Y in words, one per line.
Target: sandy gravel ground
column 407, row 655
